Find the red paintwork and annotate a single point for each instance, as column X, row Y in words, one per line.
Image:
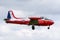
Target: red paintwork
column 13, row 15
column 18, row 22
column 45, row 22
column 41, row 22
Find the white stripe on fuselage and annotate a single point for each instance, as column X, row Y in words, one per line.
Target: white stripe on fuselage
column 19, row 19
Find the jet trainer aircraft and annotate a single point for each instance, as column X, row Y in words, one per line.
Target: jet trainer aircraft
column 34, row 21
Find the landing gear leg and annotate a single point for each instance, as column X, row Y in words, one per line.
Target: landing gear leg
column 48, row 27
column 33, row 27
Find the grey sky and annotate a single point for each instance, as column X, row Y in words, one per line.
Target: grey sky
column 26, row 8
column 37, row 6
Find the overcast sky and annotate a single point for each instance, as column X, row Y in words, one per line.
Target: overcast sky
column 26, row 8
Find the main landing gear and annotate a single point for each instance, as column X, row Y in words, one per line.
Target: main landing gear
column 33, row 27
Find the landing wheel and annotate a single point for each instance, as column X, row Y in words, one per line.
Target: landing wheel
column 33, row 27
column 48, row 28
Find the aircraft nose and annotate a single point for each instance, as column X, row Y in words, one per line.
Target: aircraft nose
column 52, row 22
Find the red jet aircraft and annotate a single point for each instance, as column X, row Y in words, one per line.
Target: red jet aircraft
column 38, row 21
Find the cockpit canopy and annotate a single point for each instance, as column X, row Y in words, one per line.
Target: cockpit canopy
column 44, row 18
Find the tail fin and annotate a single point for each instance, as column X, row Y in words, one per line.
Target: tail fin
column 11, row 15
column 8, row 16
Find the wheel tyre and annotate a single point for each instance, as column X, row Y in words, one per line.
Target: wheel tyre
column 48, row 28
column 33, row 27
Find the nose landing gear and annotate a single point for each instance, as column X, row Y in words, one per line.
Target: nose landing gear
column 48, row 27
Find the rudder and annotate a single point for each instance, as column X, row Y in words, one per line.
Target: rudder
column 8, row 16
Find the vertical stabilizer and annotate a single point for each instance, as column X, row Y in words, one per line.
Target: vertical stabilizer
column 11, row 15
column 8, row 16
